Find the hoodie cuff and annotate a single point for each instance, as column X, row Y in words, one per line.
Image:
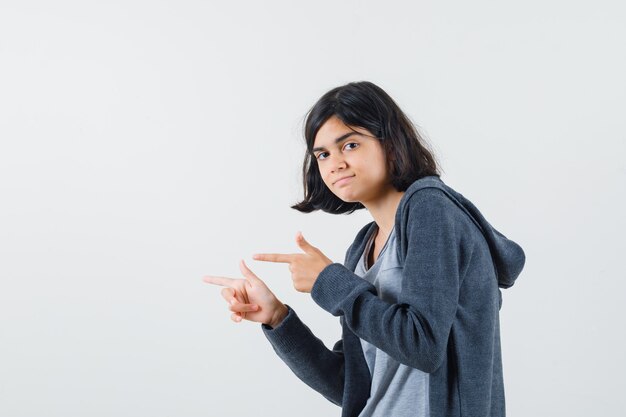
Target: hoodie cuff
column 336, row 287
column 289, row 334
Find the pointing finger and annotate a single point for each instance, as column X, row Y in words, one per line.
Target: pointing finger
column 217, row 280
column 273, row 257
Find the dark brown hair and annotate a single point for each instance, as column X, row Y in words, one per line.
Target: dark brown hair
column 365, row 105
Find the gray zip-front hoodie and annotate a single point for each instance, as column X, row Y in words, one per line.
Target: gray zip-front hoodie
column 446, row 322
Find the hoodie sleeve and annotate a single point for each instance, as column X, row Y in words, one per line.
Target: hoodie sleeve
column 309, row 359
column 306, row 355
column 415, row 330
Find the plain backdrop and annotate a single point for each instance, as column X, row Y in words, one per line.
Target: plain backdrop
column 144, row 144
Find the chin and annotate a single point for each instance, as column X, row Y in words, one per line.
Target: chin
column 348, row 198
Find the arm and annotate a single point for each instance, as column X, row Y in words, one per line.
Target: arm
column 317, row 366
column 415, row 330
column 307, row 356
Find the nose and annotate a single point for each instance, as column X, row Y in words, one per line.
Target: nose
column 338, row 164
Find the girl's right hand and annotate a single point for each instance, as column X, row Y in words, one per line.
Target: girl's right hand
column 249, row 298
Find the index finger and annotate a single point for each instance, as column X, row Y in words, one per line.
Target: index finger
column 217, row 280
column 273, row 257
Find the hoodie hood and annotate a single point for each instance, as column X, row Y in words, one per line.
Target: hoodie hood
column 508, row 257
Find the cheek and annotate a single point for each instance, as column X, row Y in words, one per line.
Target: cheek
column 375, row 170
column 320, row 168
column 324, row 175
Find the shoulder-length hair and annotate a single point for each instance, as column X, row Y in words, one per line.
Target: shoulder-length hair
column 365, row 105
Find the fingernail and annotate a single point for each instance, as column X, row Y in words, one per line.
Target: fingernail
column 233, row 301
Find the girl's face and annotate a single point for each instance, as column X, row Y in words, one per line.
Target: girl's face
column 340, row 152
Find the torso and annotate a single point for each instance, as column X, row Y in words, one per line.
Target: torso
column 395, row 387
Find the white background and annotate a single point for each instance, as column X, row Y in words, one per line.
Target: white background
column 145, row 144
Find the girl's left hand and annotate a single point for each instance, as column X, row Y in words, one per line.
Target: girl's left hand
column 304, row 267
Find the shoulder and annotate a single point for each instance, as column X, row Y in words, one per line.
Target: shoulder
column 432, row 201
column 432, row 225
column 428, row 193
column 432, row 210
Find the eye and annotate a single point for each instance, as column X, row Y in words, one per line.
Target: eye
column 322, row 153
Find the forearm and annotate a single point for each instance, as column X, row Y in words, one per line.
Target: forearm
column 306, row 355
column 404, row 332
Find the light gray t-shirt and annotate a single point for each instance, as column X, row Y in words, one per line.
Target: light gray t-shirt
column 397, row 390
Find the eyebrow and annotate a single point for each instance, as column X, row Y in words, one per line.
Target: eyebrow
column 339, row 139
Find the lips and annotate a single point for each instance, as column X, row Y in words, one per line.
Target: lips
column 343, row 178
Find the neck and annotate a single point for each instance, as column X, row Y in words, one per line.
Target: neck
column 383, row 209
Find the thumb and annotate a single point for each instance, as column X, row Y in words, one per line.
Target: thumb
column 247, row 273
column 304, row 245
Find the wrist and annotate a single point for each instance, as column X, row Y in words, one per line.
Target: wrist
column 279, row 315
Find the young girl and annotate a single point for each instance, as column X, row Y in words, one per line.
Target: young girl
column 418, row 293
